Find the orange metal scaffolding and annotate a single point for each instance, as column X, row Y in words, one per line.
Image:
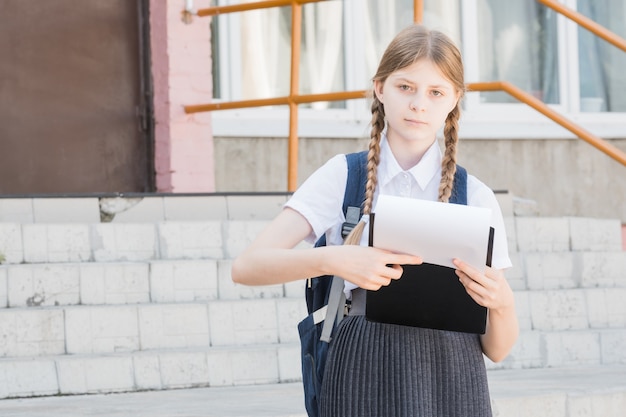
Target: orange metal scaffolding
column 294, row 98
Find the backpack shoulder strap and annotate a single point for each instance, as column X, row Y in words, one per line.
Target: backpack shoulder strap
column 352, row 209
column 357, row 177
column 318, row 289
column 459, row 187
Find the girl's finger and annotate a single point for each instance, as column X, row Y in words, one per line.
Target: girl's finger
column 403, row 259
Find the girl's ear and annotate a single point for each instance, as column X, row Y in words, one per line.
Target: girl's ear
column 378, row 90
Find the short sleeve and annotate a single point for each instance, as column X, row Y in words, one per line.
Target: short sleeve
column 479, row 195
column 320, row 198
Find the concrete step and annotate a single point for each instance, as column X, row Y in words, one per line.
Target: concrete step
column 168, row 323
column 249, row 325
column 158, row 281
column 572, row 269
column 117, row 242
column 33, row 332
column 595, row 391
column 571, row 309
column 598, row 391
column 149, row 370
column 563, row 234
column 54, row 284
column 559, row 348
column 225, row 239
column 141, row 208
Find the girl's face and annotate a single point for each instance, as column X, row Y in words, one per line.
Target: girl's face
column 417, row 100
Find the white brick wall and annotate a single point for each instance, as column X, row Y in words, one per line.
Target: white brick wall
column 537, row 234
column 18, row 210
column 31, row 332
column 43, row 285
column 28, row 377
column 259, row 208
column 4, row 287
column 184, row 369
column 552, row 270
column 56, row 242
column 243, row 366
column 66, row 210
column 289, row 313
column 603, row 269
column 289, row 363
column 116, row 283
column 175, row 318
column 79, row 375
column 243, row 322
column 613, row 346
column 101, row 329
column 147, row 370
column 573, row 348
column 178, row 281
column 595, row 234
column 607, row 307
column 597, row 404
column 559, row 310
column 184, row 240
column 124, row 242
column 195, row 208
column 173, row 326
column 528, row 352
column 146, row 210
column 11, row 243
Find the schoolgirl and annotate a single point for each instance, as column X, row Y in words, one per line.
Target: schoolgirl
column 385, row 370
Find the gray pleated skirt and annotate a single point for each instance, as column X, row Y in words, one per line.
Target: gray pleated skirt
column 386, row 370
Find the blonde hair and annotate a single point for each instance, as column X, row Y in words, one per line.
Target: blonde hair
column 410, row 45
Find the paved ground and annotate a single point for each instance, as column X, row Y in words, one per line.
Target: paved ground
column 281, row 400
column 285, row 400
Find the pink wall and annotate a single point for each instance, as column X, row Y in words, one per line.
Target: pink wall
column 181, row 69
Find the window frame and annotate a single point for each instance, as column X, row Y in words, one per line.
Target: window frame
column 479, row 120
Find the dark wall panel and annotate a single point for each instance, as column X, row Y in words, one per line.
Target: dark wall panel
column 69, row 92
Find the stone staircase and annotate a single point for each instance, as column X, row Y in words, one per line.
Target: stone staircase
column 132, row 293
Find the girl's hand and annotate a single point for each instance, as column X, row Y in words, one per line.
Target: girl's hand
column 490, row 290
column 368, row 267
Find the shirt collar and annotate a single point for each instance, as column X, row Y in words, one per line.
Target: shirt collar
column 423, row 172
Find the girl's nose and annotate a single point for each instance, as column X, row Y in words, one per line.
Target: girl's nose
column 417, row 103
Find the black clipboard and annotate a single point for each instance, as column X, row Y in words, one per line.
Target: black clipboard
column 428, row 296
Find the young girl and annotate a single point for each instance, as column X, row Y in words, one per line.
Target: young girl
column 377, row 369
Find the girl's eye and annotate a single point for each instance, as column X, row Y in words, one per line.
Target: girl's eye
column 437, row 93
column 405, row 87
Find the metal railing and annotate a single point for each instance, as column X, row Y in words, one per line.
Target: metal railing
column 544, row 109
column 294, row 98
column 587, row 23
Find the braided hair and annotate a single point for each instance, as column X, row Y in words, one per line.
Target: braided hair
column 410, row 45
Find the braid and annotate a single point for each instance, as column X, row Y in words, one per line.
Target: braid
column 373, row 156
column 448, row 164
column 373, row 159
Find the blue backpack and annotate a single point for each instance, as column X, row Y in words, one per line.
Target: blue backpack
column 325, row 298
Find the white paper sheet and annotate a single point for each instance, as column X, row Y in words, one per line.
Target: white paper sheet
column 437, row 232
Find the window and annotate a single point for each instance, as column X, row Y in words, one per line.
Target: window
column 601, row 65
column 519, row 41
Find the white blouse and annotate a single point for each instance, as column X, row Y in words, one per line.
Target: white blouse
column 320, row 198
